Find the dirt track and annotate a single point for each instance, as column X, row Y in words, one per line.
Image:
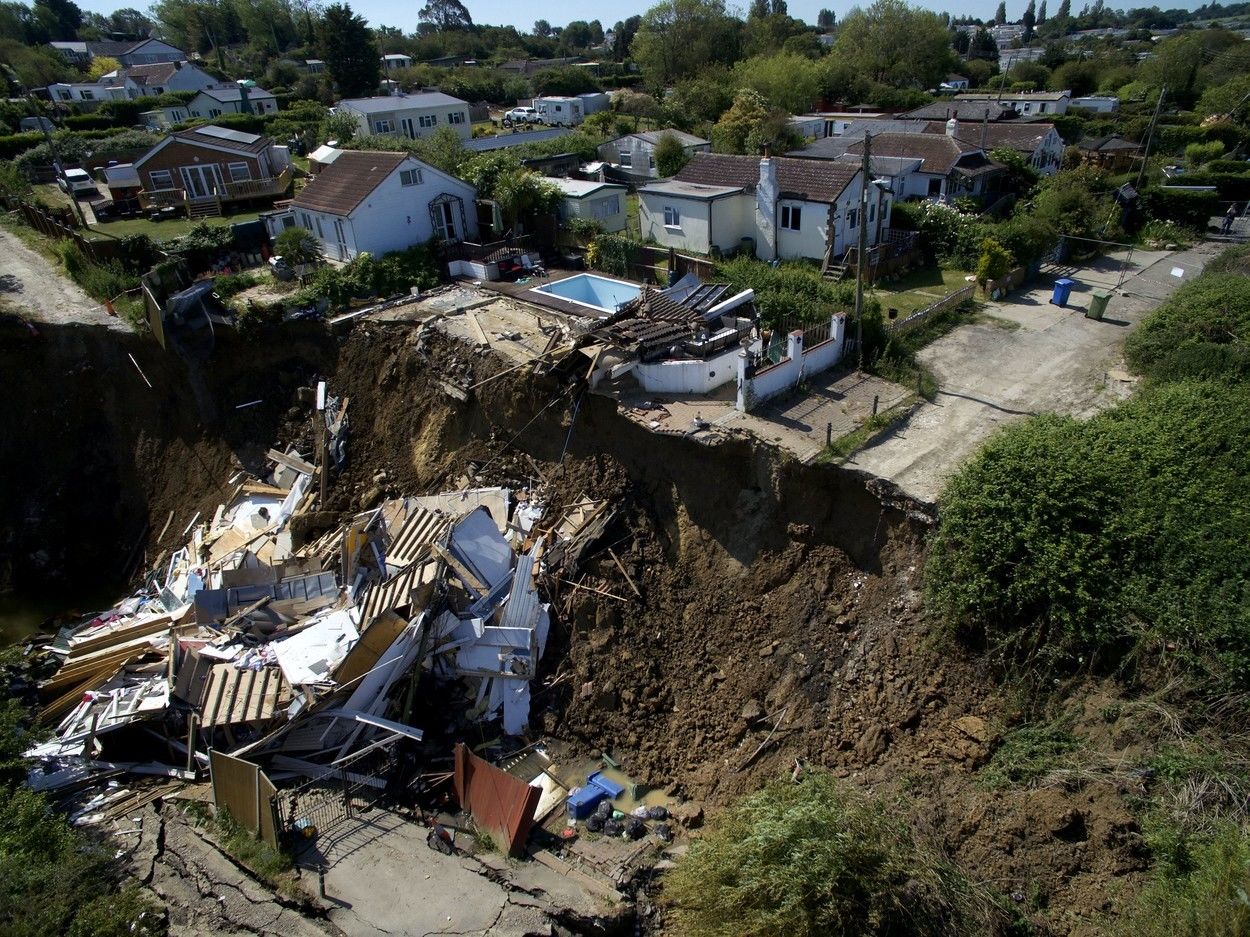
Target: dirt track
column 43, row 294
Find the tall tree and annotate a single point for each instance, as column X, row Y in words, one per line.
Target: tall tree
column 542, row 29
column 779, row 8
column 983, row 45
column 826, row 19
column 894, row 43
column 445, row 15
column 1041, row 13
column 1065, row 10
column 347, row 47
column 623, row 34
column 758, row 10
column 1000, row 15
column 61, row 17
column 1029, row 20
column 677, row 38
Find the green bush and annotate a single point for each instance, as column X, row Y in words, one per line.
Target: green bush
column 15, row 144
column 789, row 291
column 994, row 263
column 1202, row 331
column 1190, row 209
column 1198, row 153
column 1208, row 895
column 366, row 277
column 816, row 858
column 99, row 281
column 1066, row 542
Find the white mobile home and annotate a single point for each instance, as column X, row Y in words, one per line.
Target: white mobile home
column 410, row 115
column 596, row 201
column 560, row 111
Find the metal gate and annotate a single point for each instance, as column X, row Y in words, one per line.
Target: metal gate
column 354, row 785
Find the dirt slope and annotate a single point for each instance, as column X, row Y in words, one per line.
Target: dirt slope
column 779, row 617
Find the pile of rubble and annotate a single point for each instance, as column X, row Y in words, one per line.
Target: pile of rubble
column 295, row 656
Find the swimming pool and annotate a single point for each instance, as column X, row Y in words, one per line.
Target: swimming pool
column 586, row 289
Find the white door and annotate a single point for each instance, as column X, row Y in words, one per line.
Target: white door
column 200, row 181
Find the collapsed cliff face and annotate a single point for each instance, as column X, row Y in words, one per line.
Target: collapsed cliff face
column 747, row 614
column 96, row 459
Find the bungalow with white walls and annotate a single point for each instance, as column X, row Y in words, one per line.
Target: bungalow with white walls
column 409, row 115
column 1037, row 142
column 603, row 202
column 126, row 52
column 1025, row 103
column 635, row 152
column 396, row 60
column 379, row 202
column 233, row 99
column 780, row 208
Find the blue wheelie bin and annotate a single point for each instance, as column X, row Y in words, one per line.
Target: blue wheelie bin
column 1063, row 289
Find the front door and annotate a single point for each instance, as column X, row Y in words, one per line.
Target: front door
column 200, row 181
column 410, row 131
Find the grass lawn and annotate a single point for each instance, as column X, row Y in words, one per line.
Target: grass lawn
column 163, row 230
column 633, row 226
column 919, row 288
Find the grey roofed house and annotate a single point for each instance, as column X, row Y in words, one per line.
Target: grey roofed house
column 938, row 153
column 390, row 102
column 961, row 109
column 653, row 137
column 231, row 93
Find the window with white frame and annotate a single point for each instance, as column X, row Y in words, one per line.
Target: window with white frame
column 383, row 126
column 239, row 172
column 650, row 162
column 65, row 94
column 410, row 177
column 455, row 117
column 791, row 217
column 627, row 159
column 852, row 218
column 427, row 120
column 214, row 112
column 672, row 217
column 87, row 94
column 872, row 213
column 161, row 179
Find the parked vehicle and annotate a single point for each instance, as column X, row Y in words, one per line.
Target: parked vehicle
column 523, row 115
column 77, row 182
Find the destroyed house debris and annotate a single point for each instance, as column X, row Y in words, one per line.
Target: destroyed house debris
column 302, row 658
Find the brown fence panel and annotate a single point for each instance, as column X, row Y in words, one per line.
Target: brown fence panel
column 502, row 805
column 242, row 790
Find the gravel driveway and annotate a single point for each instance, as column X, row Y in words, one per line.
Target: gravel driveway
column 42, row 293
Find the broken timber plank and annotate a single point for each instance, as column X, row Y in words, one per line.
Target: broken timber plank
column 461, row 570
column 290, row 461
column 477, row 327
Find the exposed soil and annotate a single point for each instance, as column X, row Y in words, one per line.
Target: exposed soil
column 779, row 617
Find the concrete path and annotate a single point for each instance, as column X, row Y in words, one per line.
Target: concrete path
column 384, row 879
column 1025, row 356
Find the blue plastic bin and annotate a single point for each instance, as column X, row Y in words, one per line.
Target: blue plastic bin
column 1063, row 289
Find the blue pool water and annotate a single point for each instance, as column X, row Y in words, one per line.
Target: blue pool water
column 586, row 289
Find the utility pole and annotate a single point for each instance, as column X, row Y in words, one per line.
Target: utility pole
column 1150, row 136
column 863, row 248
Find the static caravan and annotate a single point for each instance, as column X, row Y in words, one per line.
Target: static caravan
column 560, row 111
